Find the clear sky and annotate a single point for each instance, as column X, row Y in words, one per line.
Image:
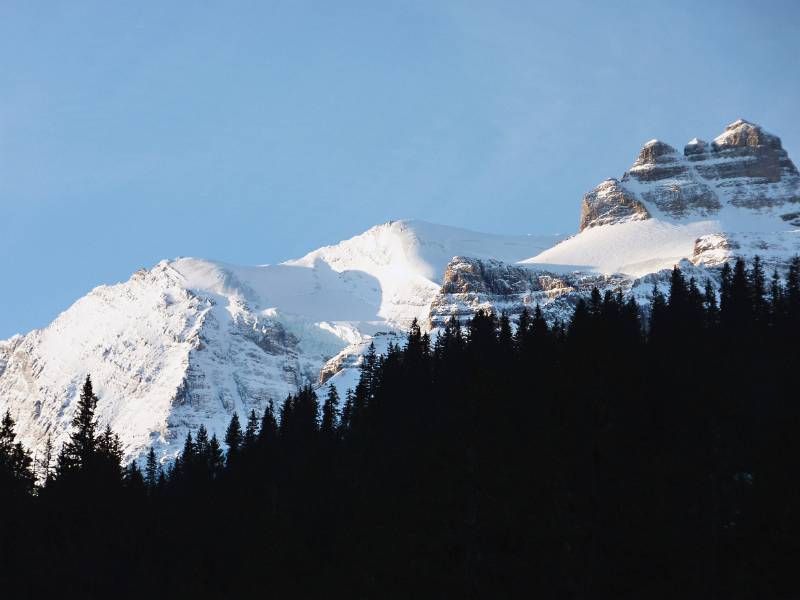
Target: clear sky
column 254, row 132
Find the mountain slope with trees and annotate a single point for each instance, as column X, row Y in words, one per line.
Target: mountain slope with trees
column 613, row 456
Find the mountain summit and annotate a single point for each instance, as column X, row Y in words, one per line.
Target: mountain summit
column 744, row 167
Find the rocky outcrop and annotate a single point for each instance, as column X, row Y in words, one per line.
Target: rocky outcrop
column 775, row 249
column 610, row 203
column 744, row 167
column 471, row 284
column 752, row 168
column 657, row 161
column 669, row 183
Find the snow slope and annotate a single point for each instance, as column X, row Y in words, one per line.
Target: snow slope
column 407, row 260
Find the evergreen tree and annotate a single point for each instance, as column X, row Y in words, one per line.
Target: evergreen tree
column 523, row 326
column 330, row 413
column 347, row 411
column 505, row 336
column 79, row 452
column 201, row 443
column 757, row 283
column 539, row 328
column 152, row 470
column 233, row 437
column 659, row 323
column 109, row 455
column 133, row 480
column 215, row 458
column 46, row 462
column 269, row 425
column 16, row 474
column 776, row 297
column 250, row 432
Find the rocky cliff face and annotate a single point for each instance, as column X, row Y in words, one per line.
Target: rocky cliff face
column 472, row 284
column 744, row 167
column 610, row 203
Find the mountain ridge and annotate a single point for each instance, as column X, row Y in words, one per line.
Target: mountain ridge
column 191, row 341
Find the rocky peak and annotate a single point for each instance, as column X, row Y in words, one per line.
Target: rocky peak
column 751, row 168
column 656, row 161
column 743, row 134
column 610, row 202
column 695, row 149
column 655, row 152
column 744, row 167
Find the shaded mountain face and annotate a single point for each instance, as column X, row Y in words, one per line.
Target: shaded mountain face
column 193, row 341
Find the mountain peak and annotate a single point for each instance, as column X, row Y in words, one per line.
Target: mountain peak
column 695, row 147
column 610, row 203
column 655, row 152
column 744, row 167
column 742, row 133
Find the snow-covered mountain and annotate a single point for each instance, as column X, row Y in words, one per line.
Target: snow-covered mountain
column 741, row 192
column 190, row 341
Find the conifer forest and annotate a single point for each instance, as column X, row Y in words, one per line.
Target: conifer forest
column 632, row 452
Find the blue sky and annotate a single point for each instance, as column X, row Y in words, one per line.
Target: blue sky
column 253, row 132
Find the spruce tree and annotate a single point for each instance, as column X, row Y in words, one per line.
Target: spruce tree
column 16, row 474
column 269, row 425
column 659, row 324
column 776, row 296
column 250, row 432
column 523, row 325
column 539, row 328
column 46, row 462
column 185, row 465
column 215, row 458
column 109, row 456
column 347, row 411
column 133, row 480
column 233, row 438
column 505, row 337
column 330, row 413
column 80, row 451
column 151, row 471
column 757, row 286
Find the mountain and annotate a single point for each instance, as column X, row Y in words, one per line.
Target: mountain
column 190, row 341
column 740, row 194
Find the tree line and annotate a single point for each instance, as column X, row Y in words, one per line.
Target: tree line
column 616, row 455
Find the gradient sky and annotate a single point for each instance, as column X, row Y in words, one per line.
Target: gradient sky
column 254, row 132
